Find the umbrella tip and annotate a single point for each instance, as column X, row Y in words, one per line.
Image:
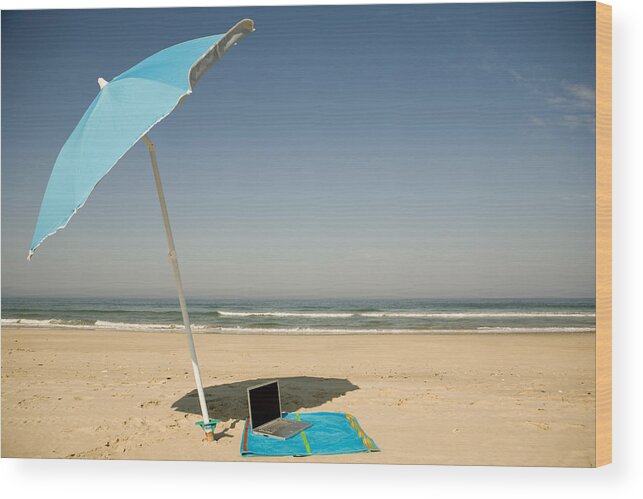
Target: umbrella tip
column 102, row 82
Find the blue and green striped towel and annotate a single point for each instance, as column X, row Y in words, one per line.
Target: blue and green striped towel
column 330, row 433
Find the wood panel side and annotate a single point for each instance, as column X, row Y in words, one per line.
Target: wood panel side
column 603, row 234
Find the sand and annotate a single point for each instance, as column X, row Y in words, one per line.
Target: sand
column 496, row 399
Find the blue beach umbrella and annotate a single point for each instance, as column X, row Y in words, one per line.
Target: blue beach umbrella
column 123, row 112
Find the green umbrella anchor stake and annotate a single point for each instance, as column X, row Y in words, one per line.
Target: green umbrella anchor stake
column 208, row 428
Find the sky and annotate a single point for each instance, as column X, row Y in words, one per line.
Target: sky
column 390, row 151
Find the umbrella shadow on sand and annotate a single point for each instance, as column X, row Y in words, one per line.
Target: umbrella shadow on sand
column 230, row 402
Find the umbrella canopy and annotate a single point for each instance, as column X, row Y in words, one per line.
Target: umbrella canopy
column 124, row 110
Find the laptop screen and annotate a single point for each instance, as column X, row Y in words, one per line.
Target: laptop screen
column 264, row 404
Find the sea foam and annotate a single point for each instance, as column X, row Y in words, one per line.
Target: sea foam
column 203, row 328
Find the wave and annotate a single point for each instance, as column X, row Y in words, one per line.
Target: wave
column 88, row 324
column 407, row 315
column 503, row 329
column 467, row 315
column 345, row 331
column 202, row 328
column 310, row 315
column 76, row 322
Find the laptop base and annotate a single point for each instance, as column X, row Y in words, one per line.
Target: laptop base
column 282, row 428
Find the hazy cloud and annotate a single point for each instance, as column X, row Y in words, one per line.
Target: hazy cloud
column 580, row 91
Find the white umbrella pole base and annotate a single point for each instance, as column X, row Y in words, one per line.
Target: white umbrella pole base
column 208, row 427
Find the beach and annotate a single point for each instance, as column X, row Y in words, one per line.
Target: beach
column 521, row 399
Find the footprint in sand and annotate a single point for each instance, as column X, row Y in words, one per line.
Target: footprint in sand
column 539, row 424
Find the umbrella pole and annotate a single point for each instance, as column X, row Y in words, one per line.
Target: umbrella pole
column 207, row 424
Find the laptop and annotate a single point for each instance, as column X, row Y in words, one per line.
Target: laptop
column 264, row 405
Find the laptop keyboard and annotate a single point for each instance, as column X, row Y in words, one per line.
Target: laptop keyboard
column 274, row 426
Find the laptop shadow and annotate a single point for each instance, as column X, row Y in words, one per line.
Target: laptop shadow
column 229, row 401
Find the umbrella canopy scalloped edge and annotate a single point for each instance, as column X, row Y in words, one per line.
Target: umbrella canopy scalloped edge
column 209, row 58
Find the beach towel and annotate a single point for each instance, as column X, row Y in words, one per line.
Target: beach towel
column 330, row 433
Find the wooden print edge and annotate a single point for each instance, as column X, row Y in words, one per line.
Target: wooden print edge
column 603, row 427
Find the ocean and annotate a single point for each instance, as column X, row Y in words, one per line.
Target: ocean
column 299, row 316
